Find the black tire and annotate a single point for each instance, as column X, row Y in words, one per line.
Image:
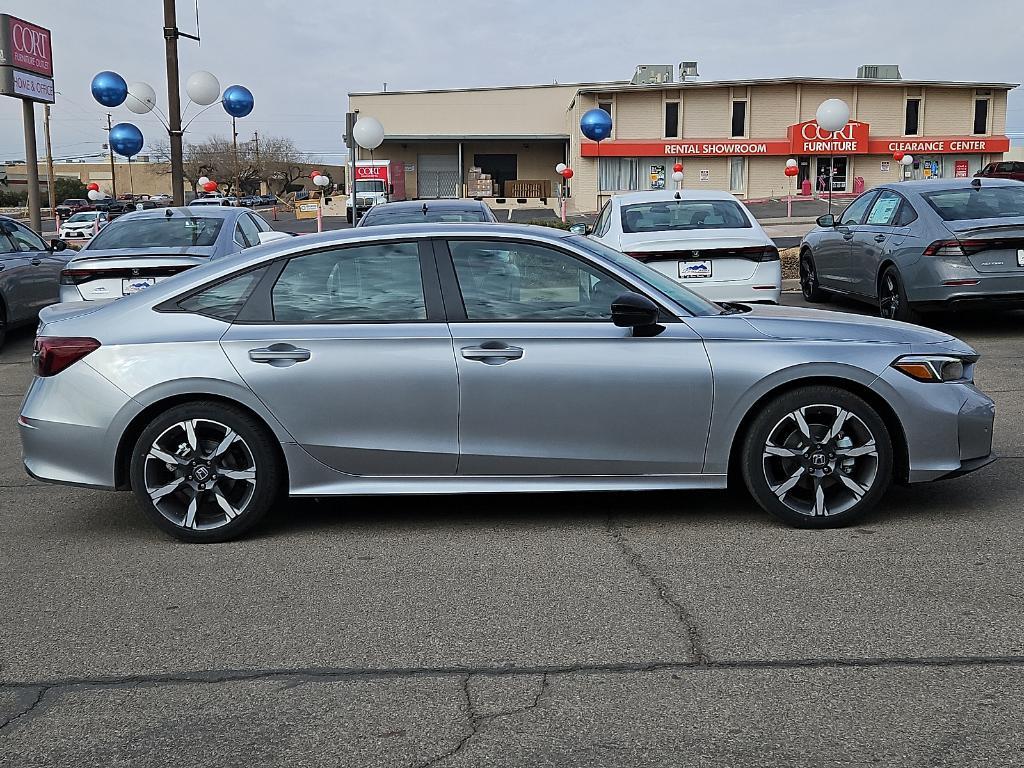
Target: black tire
column 871, row 470
column 809, row 286
column 892, row 298
column 254, row 445
column 348, row 215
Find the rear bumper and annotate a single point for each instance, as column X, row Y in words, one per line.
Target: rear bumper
column 764, row 285
column 991, row 289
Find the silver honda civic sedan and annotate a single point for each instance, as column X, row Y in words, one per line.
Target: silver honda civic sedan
column 432, row 358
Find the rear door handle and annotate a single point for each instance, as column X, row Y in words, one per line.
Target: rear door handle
column 492, row 353
column 36, row 262
column 848, row 236
column 279, row 355
column 879, row 238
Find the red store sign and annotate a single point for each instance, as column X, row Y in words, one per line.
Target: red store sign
column 372, row 172
column 25, row 46
column 803, row 139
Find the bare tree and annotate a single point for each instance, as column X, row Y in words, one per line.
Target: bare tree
column 274, row 161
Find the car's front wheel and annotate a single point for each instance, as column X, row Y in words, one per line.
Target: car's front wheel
column 206, row 472
column 818, row 457
column 809, row 286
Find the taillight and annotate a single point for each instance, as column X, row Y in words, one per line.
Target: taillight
column 958, row 247
column 753, row 253
column 52, row 354
column 74, row 276
column 79, row 276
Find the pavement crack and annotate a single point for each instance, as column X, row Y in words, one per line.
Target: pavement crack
column 664, row 594
column 474, row 727
column 31, row 698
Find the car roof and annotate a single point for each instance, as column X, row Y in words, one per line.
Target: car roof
column 425, row 229
column 459, row 204
column 210, row 212
column 661, row 195
column 930, row 185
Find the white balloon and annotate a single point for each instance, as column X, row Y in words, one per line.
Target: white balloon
column 677, row 175
column 95, row 194
column 321, row 180
column 560, row 167
column 203, row 88
column 203, row 180
column 791, row 163
column 832, row 115
column 141, row 98
column 368, row 132
column 907, row 160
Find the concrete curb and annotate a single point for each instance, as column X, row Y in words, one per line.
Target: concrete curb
column 795, row 220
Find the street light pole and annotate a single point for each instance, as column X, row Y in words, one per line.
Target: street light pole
column 173, row 103
column 234, row 144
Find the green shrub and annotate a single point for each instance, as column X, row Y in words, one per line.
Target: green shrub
column 555, row 223
column 10, row 198
column 67, row 188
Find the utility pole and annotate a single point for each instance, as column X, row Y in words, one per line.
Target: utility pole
column 350, row 122
column 259, row 168
column 49, row 160
column 174, row 103
column 28, row 115
column 110, row 149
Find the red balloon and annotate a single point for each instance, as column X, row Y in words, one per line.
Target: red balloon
column 678, row 167
column 93, row 187
column 898, row 155
column 314, row 174
column 791, row 171
column 567, row 173
column 210, row 186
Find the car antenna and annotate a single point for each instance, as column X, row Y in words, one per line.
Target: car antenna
column 678, row 196
column 169, row 213
column 424, row 209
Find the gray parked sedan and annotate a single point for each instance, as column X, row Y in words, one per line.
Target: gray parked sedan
column 29, row 274
column 137, row 250
column 467, row 358
column 925, row 245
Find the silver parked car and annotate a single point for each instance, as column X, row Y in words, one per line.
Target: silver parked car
column 482, row 357
column 137, row 250
column 29, row 274
column 921, row 246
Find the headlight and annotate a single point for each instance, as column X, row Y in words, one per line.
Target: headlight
column 935, row 368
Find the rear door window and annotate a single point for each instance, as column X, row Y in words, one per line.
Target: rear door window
column 885, row 210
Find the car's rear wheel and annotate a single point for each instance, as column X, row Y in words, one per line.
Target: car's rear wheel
column 809, row 286
column 818, row 457
column 206, row 472
column 892, row 298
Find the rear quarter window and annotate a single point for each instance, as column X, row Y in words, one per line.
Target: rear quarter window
column 224, row 300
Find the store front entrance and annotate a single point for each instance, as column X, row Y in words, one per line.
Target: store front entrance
column 838, row 174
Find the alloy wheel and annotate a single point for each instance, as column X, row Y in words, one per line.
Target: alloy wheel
column 889, row 297
column 200, row 474
column 807, row 277
column 820, row 460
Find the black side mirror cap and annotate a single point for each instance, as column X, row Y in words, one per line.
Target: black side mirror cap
column 826, row 220
column 57, row 245
column 631, row 310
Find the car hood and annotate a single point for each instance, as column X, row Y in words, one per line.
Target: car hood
column 817, row 324
column 689, row 240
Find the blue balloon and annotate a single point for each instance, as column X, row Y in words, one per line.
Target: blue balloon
column 596, row 125
column 126, row 139
column 238, row 100
column 109, row 89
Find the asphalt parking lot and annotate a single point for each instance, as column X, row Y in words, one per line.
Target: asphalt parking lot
column 652, row 629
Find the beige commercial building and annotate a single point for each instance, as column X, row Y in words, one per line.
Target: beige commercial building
column 734, row 135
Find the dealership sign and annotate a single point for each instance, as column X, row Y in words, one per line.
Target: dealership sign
column 25, row 46
column 372, row 172
column 809, row 139
column 25, row 85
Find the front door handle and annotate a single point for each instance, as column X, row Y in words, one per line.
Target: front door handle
column 492, row 353
column 36, row 262
column 879, row 238
column 848, row 236
column 279, row 355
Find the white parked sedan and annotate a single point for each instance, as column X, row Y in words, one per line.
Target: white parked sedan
column 706, row 240
column 82, row 225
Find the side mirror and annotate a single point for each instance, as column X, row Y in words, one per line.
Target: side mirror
column 57, row 245
column 580, row 229
column 631, row 310
column 391, row 189
column 827, row 220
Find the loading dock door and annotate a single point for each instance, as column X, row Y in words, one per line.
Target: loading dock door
column 437, row 176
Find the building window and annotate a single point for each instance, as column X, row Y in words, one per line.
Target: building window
column 605, row 105
column 981, row 115
column 739, row 118
column 912, row 124
column 631, row 174
column 737, row 169
column 671, row 119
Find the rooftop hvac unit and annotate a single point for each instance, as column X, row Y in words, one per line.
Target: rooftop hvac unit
column 652, row 74
column 879, row 72
column 687, row 69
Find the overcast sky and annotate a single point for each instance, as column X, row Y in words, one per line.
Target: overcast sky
column 300, row 59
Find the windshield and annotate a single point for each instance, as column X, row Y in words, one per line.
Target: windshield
column 158, row 232
column 985, row 202
column 682, row 296
column 668, row 215
column 418, row 216
column 370, row 185
column 85, row 216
